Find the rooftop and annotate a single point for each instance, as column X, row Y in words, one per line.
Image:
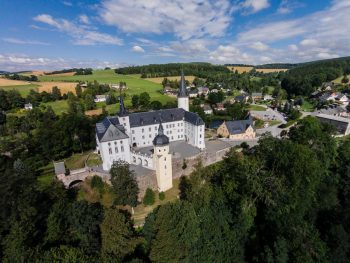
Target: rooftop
column 332, row 117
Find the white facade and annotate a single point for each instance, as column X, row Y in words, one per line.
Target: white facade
column 183, row 103
column 113, row 151
column 163, row 167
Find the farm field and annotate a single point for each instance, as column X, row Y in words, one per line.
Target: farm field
column 159, row 80
column 135, row 84
column 240, row 69
column 22, row 89
column 10, row 82
column 270, row 70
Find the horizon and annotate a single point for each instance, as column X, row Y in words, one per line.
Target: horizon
column 54, row 35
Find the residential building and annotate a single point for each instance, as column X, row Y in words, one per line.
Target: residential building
column 101, row 98
column 28, row 106
column 238, row 129
column 341, row 124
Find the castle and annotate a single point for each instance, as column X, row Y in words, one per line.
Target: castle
column 121, row 137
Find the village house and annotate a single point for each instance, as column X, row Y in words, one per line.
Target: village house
column 257, row 96
column 118, row 87
column 203, row 90
column 193, row 93
column 341, row 124
column 238, row 129
column 207, row 109
column 28, row 106
column 241, row 98
column 342, row 98
column 327, row 86
column 267, row 97
column 220, row 107
column 214, row 91
column 101, row 98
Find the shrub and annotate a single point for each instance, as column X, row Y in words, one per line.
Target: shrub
column 96, row 182
column 161, row 196
column 184, row 165
column 149, row 197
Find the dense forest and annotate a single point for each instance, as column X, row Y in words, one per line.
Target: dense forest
column 201, row 70
column 307, row 77
column 285, row 200
column 78, row 71
column 16, row 76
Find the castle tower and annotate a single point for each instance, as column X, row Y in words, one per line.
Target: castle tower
column 162, row 161
column 182, row 97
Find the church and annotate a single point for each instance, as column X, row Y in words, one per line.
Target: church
column 121, row 137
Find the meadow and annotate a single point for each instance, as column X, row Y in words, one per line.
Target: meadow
column 159, row 80
column 242, row 69
column 22, row 89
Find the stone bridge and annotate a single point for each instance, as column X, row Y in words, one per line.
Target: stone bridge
column 80, row 175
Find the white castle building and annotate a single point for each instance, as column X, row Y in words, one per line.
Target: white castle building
column 119, row 137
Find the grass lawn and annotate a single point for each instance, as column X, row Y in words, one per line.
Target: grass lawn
column 307, row 106
column 135, row 84
column 22, row 89
column 93, row 160
column 77, row 160
column 141, row 211
column 47, row 174
column 58, row 106
column 256, row 107
column 338, row 80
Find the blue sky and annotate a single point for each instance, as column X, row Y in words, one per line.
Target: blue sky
column 54, row 34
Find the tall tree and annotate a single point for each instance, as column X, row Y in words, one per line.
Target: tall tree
column 124, row 184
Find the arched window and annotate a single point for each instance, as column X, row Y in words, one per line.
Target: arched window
column 116, row 149
column 110, row 150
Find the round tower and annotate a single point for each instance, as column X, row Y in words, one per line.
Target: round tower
column 182, row 96
column 162, row 160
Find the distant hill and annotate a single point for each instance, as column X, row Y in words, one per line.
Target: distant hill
column 4, row 72
column 306, row 77
column 198, row 69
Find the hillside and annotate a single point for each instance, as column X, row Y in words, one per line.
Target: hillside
column 305, row 78
column 198, row 69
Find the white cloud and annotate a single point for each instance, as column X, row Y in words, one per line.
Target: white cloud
column 259, row 46
column 81, row 35
column 321, row 35
column 185, row 19
column 24, row 42
column 18, row 62
column 84, row 19
column 66, row 3
column 288, row 6
column 309, row 42
column 254, row 6
column 229, row 54
column 265, row 59
column 138, row 49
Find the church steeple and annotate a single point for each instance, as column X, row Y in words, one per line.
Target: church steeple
column 182, row 97
column 161, row 138
column 182, row 90
column 122, row 109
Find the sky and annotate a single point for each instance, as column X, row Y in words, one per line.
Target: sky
column 56, row 34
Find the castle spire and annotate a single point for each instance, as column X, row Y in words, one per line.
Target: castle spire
column 182, row 90
column 122, row 109
column 161, row 139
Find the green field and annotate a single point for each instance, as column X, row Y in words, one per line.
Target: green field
column 338, row 80
column 22, row 89
column 256, row 107
column 58, row 106
column 135, row 84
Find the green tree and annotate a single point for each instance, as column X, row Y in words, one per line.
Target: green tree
column 78, row 91
column 56, row 93
column 124, row 184
column 135, row 101
column 118, row 237
column 89, row 102
column 149, row 197
column 144, row 99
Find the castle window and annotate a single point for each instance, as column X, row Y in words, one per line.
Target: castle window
column 109, row 144
column 150, row 136
column 123, row 119
column 133, row 138
column 143, row 130
column 133, row 131
column 110, row 150
column 164, row 158
column 116, row 149
column 143, row 136
column 115, row 143
column 122, row 148
column 155, row 128
column 164, row 166
column 149, row 128
column 121, row 142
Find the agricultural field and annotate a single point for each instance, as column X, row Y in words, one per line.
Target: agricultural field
column 159, row 80
column 270, row 70
column 135, row 84
column 22, row 89
column 240, row 69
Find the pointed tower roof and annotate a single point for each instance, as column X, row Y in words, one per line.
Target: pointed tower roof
column 161, row 138
column 182, row 90
column 122, row 109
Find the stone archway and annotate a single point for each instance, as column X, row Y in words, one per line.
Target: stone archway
column 74, row 183
column 145, row 162
column 139, row 161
